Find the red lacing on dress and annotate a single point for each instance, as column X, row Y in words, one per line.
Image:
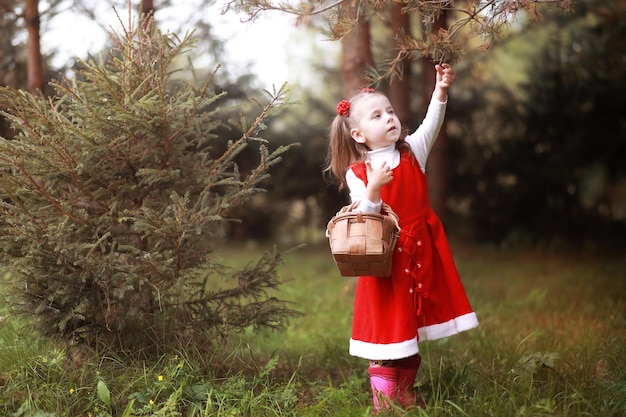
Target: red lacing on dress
column 421, row 294
column 418, row 293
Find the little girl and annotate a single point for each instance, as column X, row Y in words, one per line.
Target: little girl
column 424, row 298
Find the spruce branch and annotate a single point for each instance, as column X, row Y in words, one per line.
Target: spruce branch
column 486, row 19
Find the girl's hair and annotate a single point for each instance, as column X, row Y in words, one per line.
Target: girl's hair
column 343, row 150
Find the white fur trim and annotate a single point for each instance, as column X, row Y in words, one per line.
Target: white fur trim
column 377, row 351
column 449, row 328
column 400, row 350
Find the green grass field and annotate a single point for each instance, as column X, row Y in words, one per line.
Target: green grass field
column 551, row 342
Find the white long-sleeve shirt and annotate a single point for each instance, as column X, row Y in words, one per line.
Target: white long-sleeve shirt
column 421, row 142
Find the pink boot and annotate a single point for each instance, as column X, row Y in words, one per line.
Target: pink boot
column 384, row 383
column 407, row 370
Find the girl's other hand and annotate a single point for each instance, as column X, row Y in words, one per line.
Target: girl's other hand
column 380, row 176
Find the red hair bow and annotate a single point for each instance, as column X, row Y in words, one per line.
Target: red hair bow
column 343, row 108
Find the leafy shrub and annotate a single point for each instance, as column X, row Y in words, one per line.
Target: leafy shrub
column 113, row 201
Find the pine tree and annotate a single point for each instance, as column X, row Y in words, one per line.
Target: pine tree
column 113, row 200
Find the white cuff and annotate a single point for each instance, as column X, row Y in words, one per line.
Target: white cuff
column 367, row 206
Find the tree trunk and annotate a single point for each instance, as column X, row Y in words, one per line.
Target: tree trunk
column 33, row 53
column 437, row 166
column 400, row 88
column 356, row 53
column 146, row 11
column 146, row 7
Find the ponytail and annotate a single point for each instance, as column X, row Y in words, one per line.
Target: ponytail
column 343, row 151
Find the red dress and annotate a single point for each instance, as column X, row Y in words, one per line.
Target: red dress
column 424, row 297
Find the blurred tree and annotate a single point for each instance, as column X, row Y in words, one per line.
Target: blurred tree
column 400, row 86
column 113, row 201
column 437, row 166
column 546, row 162
column 146, row 7
column 35, row 62
column 357, row 54
column 299, row 200
column 12, row 67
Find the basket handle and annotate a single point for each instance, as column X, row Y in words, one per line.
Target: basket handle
column 392, row 214
column 384, row 209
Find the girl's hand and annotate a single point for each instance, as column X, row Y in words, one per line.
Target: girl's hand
column 444, row 79
column 377, row 177
column 445, row 76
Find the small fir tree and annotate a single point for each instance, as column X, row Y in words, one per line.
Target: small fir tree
column 112, row 202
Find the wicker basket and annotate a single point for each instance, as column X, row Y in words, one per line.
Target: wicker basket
column 362, row 244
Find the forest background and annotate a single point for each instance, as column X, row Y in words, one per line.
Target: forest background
column 533, row 148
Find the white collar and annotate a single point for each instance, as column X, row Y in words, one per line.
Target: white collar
column 389, row 154
column 383, row 153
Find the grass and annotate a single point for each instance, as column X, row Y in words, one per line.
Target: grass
column 551, row 342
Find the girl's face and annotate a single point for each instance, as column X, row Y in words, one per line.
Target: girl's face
column 376, row 124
